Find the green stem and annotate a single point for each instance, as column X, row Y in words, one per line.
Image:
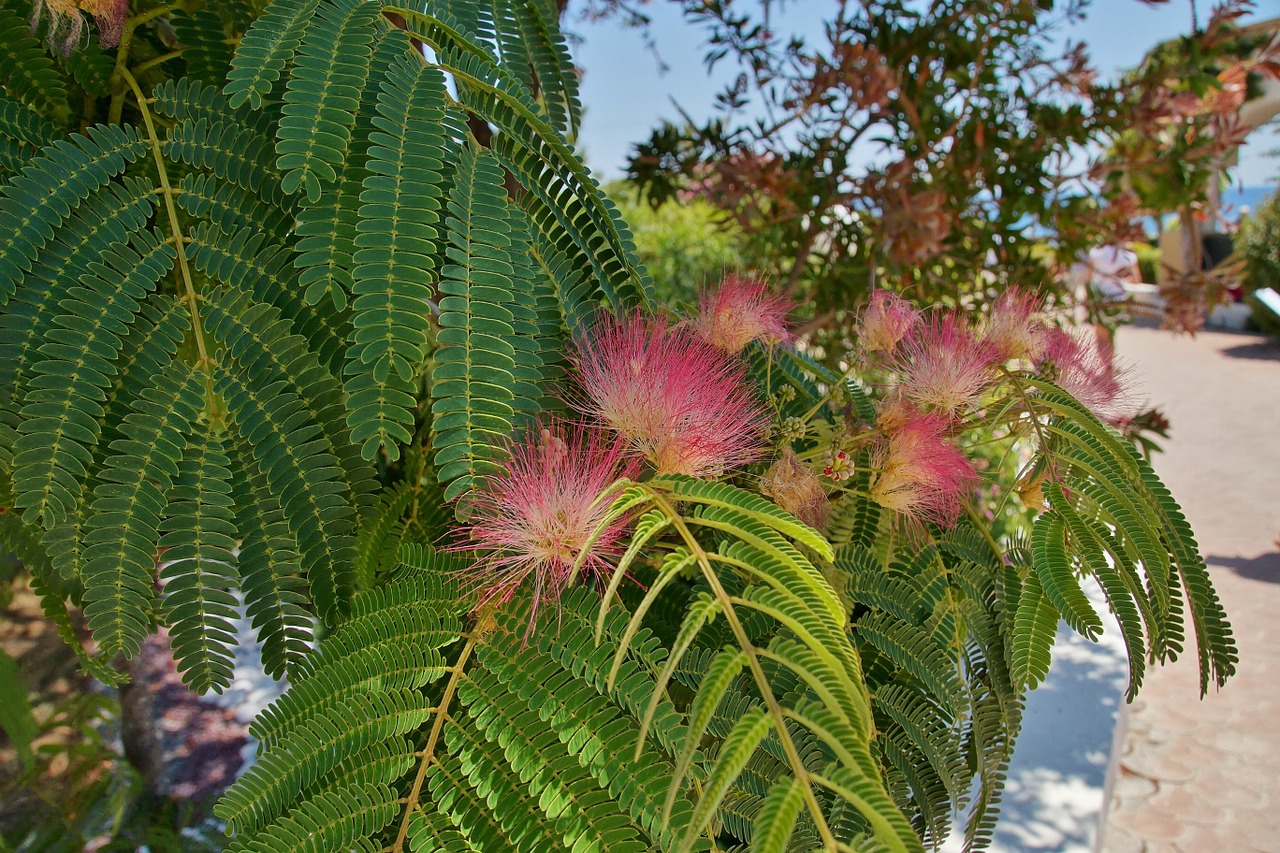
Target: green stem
column 822, row 401
column 120, row 83
column 429, row 751
column 981, row 526
column 1042, row 441
column 757, row 671
column 143, row 67
column 175, row 224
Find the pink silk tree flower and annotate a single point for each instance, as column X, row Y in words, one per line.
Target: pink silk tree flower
column 1087, row 370
column 1013, row 328
column 739, row 311
column 678, row 401
column 943, row 366
column 542, row 516
column 109, row 15
column 887, row 319
column 921, row 474
column 65, row 21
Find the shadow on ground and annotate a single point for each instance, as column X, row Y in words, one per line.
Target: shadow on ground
column 1055, row 791
column 1258, row 350
column 1265, row 567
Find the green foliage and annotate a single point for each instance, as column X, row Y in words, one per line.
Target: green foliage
column 395, row 259
column 16, row 720
column 1258, row 244
column 261, row 341
column 473, row 380
column 1149, row 260
column 684, row 247
column 79, row 791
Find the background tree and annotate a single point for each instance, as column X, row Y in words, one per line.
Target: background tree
column 1182, row 105
column 884, row 155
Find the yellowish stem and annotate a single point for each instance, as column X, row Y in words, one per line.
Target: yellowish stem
column 429, row 751
column 175, row 225
column 757, row 671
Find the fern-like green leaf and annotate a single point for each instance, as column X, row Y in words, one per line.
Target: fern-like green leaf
column 381, row 530
column 915, row 651
column 27, row 72
column 277, row 782
column 23, row 132
column 549, row 58
column 741, row 743
column 586, row 223
column 323, row 94
column 229, row 150
column 129, row 505
column 259, row 340
column 199, row 570
column 62, row 414
column 266, row 49
column 108, row 217
column 760, row 510
column 473, row 376
column 1053, row 567
column 327, row 228
column 341, row 819
column 251, row 262
column 206, row 48
column 91, row 67
column 34, row 202
column 303, row 473
column 230, row 208
column 187, row 100
column 778, row 814
column 395, row 250
column 270, row 573
column 1035, row 625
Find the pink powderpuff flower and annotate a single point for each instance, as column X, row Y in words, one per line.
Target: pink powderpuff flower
column 943, row 366
column 679, row 401
column 921, row 474
column 887, row 319
column 543, row 518
column 109, row 15
column 739, row 311
column 1087, row 370
column 65, row 22
column 1013, row 328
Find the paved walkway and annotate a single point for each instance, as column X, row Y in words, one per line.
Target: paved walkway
column 1204, row 776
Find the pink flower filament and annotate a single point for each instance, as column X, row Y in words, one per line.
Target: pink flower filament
column 543, row 517
column 681, row 403
column 921, row 474
column 739, row 311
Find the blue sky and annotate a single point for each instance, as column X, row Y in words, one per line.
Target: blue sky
column 625, row 95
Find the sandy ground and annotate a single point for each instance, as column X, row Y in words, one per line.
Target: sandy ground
column 1201, row 776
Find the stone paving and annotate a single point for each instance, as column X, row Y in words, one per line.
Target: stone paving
column 1204, row 776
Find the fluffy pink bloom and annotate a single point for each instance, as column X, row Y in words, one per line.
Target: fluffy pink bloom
column 538, row 517
column 109, row 15
column 943, row 366
column 679, row 401
column 1087, row 370
column 739, row 311
column 887, row 319
column 65, row 22
column 1013, row 328
column 921, row 474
